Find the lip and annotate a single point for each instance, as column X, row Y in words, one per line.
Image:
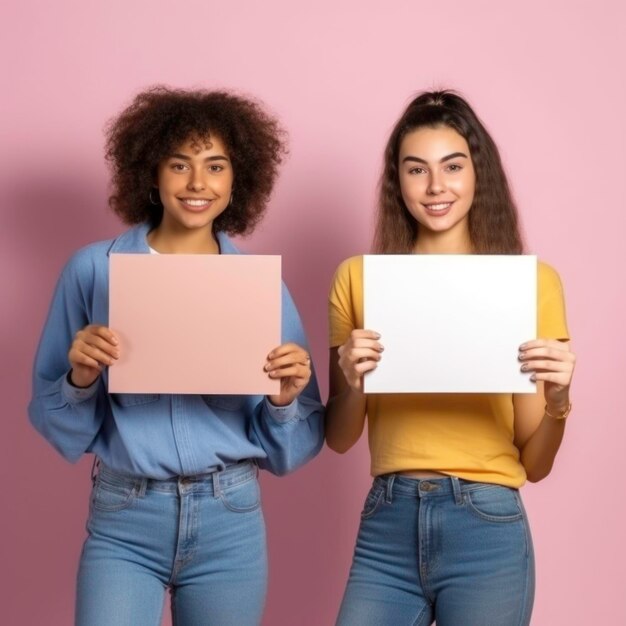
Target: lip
column 196, row 207
column 438, row 209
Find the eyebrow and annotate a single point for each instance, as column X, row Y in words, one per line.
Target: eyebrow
column 448, row 157
column 184, row 157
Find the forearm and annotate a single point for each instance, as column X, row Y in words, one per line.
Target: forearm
column 290, row 435
column 66, row 416
column 538, row 453
column 345, row 418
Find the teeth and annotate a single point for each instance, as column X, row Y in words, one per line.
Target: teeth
column 439, row 207
column 191, row 202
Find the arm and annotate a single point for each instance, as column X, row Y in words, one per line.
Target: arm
column 347, row 404
column 69, row 417
column 538, row 434
column 289, row 426
column 292, row 434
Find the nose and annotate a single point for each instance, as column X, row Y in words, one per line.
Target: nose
column 436, row 184
column 196, row 180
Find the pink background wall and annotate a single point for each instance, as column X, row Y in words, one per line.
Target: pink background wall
column 547, row 77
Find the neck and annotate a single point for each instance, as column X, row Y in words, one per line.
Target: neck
column 168, row 240
column 448, row 242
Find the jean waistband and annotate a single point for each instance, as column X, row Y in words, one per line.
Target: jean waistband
column 430, row 487
column 211, row 482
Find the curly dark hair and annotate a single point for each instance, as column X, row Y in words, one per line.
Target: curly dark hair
column 493, row 220
column 160, row 119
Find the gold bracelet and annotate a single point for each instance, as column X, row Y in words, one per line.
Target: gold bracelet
column 562, row 416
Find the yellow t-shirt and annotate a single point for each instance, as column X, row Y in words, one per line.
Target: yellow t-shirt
column 461, row 434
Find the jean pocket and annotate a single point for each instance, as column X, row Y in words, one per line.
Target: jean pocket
column 494, row 503
column 229, row 403
column 372, row 502
column 134, row 399
column 243, row 497
column 111, row 497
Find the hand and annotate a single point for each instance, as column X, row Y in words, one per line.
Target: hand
column 292, row 365
column 358, row 355
column 552, row 362
column 93, row 348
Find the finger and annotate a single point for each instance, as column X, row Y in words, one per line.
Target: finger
column 102, row 344
column 365, row 366
column 368, row 343
column 552, row 377
column 356, row 354
column 292, row 357
column 104, row 332
column 298, row 371
column 80, row 359
column 546, row 366
column 547, row 352
column 286, row 348
column 361, row 333
column 542, row 342
column 95, row 353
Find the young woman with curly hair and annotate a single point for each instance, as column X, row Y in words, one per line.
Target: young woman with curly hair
column 175, row 502
column 443, row 532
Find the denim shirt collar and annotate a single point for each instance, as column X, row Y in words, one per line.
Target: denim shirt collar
column 134, row 240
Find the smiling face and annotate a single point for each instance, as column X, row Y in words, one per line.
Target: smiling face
column 437, row 181
column 195, row 184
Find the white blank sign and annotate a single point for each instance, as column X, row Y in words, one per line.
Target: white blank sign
column 450, row 323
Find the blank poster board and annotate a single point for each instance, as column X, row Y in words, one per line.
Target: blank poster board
column 201, row 324
column 450, row 323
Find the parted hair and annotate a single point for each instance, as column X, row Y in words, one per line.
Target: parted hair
column 493, row 221
column 160, row 119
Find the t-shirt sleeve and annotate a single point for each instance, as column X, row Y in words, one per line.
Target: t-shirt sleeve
column 551, row 322
column 341, row 306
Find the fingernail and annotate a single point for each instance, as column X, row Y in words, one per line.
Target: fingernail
column 533, row 377
column 520, row 356
column 377, row 335
column 524, row 367
column 523, row 347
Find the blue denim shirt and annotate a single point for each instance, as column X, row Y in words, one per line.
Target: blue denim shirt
column 152, row 435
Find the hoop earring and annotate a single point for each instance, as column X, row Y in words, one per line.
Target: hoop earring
column 150, row 197
column 230, row 202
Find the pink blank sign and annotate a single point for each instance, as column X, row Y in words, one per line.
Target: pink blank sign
column 194, row 323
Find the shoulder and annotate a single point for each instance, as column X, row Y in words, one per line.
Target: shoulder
column 87, row 259
column 349, row 271
column 548, row 279
column 94, row 257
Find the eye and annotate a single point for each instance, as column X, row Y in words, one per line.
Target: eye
column 216, row 168
column 178, row 167
column 454, row 167
column 417, row 170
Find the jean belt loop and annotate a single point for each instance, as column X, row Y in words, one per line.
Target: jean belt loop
column 141, row 486
column 94, row 469
column 389, row 489
column 217, row 492
column 456, row 488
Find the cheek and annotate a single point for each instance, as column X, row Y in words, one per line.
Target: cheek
column 411, row 188
column 464, row 187
column 163, row 179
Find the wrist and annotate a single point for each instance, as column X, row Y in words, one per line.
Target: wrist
column 559, row 412
column 78, row 382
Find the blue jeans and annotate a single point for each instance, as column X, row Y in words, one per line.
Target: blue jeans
column 447, row 549
column 203, row 537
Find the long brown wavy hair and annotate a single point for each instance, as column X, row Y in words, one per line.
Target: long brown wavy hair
column 493, row 221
